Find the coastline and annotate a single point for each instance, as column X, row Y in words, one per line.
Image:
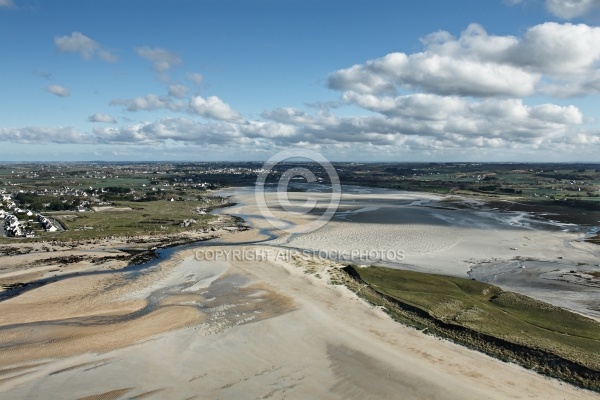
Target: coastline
column 228, row 328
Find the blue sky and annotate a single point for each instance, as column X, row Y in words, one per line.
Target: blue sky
column 481, row 80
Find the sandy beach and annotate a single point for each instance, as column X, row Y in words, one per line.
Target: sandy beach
column 228, row 321
column 262, row 329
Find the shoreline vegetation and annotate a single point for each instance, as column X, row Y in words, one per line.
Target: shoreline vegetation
column 594, row 239
column 559, row 344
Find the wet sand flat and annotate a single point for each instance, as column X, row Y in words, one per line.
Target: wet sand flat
column 443, row 235
column 258, row 329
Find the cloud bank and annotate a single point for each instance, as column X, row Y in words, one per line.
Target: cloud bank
column 551, row 58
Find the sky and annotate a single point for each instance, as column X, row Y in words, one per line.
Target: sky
column 356, row 80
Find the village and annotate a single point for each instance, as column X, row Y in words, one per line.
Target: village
column 76, row 200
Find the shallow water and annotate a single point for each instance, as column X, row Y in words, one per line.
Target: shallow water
column 558, row 283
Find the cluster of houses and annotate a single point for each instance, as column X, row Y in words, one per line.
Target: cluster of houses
column 84, row 198
column 12, row 226
column 231, row 171
column 8, row 201
column 15, row 228
column 46, row 224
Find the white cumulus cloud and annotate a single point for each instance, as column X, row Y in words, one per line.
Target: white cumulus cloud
column 58, row 90
column 99, row 117
column 568, row 9
column 557, row 49
column 86, row 47
column 176, row 129
column 162, row 59
column 149, row 102
column 213, row 107
column 178, row 91
column 545, row 59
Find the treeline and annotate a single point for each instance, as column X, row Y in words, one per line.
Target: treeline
column 495, row 188
column 112, row 193
column 40, row 202
column 574, row 176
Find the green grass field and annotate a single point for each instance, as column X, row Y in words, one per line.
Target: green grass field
column 143, row 218
column 507, row 325
column 487, row 309
column 154, row 217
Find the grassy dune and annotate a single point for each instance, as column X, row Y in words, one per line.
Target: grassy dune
column 508, row 325
column 127, row 219
column 140, row 218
